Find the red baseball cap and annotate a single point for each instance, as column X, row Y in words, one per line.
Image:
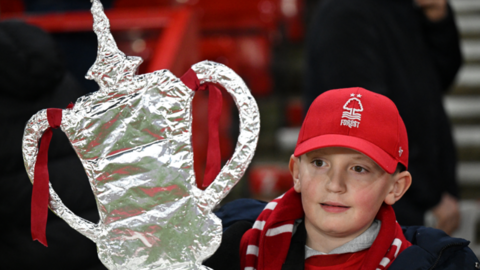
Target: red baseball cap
column 358, row 119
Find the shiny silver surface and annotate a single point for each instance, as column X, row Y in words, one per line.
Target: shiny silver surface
column 133, row 137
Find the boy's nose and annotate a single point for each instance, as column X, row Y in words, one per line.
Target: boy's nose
column 335, row 182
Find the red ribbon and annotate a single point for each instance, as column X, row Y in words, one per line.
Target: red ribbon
column 212, row 169
column 40, row 193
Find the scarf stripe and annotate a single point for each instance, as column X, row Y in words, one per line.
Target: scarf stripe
column 266, row 245
column 258, row 225
column 281, row 229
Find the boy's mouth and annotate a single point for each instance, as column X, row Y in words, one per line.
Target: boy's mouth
column 334, row 207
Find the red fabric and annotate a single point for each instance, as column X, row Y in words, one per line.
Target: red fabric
column 331, row 259
column 358, row 119
column 266, row 245
column 346, row 261
column 54, row 117
column 40, row 193
column 212, row 169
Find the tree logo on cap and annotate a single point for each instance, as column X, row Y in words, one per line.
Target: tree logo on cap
column 351, row 112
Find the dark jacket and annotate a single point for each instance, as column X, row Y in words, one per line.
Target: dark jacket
column 431, row 248
column 389, row 47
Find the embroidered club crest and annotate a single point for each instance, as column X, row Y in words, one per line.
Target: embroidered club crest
column 351, row 112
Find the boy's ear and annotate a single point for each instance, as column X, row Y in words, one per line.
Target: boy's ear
column 402, row 182
column 294, row 166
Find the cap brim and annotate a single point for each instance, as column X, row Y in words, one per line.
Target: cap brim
column 382, row 158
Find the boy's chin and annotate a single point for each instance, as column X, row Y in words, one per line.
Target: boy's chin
column 340, row 229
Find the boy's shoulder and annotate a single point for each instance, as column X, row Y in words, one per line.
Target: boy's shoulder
column 239, row 210
column 434, row 249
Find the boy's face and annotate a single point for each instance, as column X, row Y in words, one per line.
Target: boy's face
column 342, row 190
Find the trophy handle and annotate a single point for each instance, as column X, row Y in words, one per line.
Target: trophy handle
column 249, row 116
column 34, row 130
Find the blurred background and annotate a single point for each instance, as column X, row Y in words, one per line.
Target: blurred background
column 264, row 42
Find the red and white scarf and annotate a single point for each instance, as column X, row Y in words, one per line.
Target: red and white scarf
column 266, row 244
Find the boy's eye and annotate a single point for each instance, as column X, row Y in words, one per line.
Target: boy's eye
column 318, row 163
column 359, row 169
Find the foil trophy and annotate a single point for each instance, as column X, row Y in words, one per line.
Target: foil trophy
column 133, row 137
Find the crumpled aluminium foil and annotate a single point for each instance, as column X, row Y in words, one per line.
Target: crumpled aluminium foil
column 133, row 137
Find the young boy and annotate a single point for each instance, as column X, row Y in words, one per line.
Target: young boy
column 348, row 168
